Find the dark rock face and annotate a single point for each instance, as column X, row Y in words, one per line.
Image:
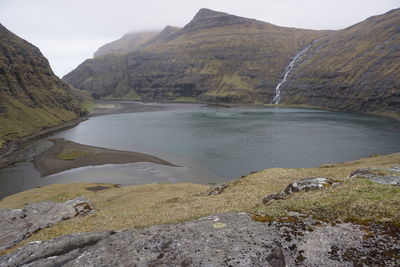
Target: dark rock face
column 380, row 175
column 216, row 57
column 16, row 225
column 219, row 240
column 356, row 68
column 31, row 96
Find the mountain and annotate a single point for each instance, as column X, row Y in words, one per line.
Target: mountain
column 128, row 43
column 357, row 68
column 31, row 96
column 217, row 57
column 135, row 41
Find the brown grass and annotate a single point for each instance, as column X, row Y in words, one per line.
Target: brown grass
column 71, row 154
column 153, row 204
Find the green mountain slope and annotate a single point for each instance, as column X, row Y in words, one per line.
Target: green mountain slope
column 31, row 96
column 217, row 57
column 357, row 68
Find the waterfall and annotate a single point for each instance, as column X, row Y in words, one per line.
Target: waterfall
column 288, row 69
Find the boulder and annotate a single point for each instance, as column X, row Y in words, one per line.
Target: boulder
column 305, row 184
column 18, row 224
column 389, row 176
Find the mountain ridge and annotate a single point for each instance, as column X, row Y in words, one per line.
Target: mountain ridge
column 217, row 57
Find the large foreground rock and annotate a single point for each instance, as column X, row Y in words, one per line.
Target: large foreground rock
column 220, row 240
column 16, row 225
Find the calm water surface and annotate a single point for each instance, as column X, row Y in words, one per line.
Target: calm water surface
column 233, row 142
column 214, row 144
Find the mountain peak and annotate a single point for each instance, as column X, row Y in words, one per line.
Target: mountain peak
column 207, row 18
column 208, row 13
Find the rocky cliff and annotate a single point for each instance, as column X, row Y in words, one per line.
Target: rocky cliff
column 216, row 57
column 31, row 96
column 219, row 57
column 357, row 68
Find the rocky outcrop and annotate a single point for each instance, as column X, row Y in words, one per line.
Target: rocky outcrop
column 31, row 96
column 380, row 175
column 217, row 57
column 356, row 69
column 220, row 240
column 214, row 190
column 304, row 184
column 16, row 225
column 307, row 184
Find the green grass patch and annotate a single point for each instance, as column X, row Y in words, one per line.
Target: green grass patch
column 63, row 196
column 356, row 200
column 184, row 99
column 72, row 154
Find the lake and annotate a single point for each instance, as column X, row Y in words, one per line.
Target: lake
column 224, row 143
column 233, row 142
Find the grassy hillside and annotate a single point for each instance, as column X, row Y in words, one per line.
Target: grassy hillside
column 31, row 96
column 357, row 68
column 217, row 57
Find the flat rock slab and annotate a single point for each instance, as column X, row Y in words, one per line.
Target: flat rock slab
column 16, row 225
column 220, row 240
column 380, row 175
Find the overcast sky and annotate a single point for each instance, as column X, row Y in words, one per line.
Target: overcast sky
column 70, row 31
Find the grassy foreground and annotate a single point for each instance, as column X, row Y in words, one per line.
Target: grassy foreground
column 152, row 204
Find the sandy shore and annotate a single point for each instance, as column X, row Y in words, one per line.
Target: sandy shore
column 65, row 155
column 9, row 153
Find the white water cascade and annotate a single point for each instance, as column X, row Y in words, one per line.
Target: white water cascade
column 288, row 69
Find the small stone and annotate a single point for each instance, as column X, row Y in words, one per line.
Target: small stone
column 273, row 197
column 277, row 258
column 215, row 190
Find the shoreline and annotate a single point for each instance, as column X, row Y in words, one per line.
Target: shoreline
column 65, row 155
column 8, row 152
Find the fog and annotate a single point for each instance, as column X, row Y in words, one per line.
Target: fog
column 70, row 31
